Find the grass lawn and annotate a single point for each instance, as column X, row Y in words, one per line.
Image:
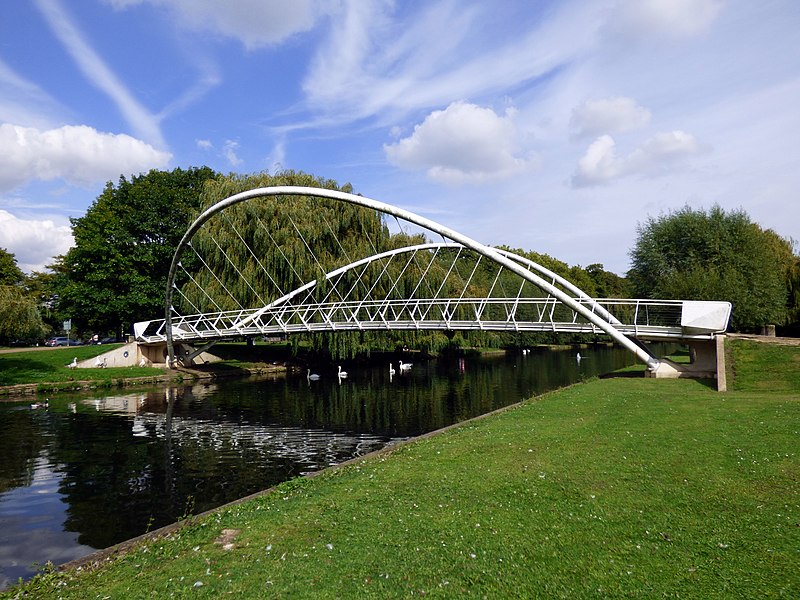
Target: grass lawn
column 616, row 487
column 764, row 366
column 49, row 365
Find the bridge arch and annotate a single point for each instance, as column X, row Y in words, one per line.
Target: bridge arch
column 525, row 269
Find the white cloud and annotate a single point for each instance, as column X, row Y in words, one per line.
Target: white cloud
column 255, row 23
column 659, row 154
column 77, row 154
column 204, row 144
column 463, row 143
column 608, row 115
column 34, row 243
column 229, row 152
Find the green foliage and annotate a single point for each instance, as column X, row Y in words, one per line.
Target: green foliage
column 10, row 273
column 19, row 316
column 698, row 255
column 259, row 249
column 116, row 272
column 608, row 284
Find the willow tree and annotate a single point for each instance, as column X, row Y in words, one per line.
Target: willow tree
column 713, row 255
column 19, row 313
column 254, row 252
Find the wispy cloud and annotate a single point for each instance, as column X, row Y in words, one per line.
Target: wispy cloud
column 643, row 19
column 255, row 23
column 608, row 115
column 229, row 149
column 375, row 64
column 142, row 122
column 23, row 102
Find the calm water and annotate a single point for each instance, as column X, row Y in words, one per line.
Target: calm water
column 88, row 472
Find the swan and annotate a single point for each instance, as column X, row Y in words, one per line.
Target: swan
column 405, row 366
column 311, row 376
column 101, row 364
column 73, row 364
column 391, row 369
column 341, row 374
column 37, row 405
column 578, row 357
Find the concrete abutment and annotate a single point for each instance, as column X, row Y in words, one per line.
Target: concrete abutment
column 707, row 362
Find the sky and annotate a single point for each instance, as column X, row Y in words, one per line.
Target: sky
column 558, row 127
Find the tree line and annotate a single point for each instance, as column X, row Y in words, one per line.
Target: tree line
column 115, row 273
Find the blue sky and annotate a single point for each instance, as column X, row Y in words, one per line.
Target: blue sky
column 554, row 126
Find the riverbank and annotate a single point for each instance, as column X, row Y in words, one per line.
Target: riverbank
column 617, row 487
column 46, row 371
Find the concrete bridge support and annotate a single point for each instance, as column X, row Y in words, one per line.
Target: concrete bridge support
column 707, row 362
column 151, row 355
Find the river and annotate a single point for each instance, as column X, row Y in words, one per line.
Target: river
column 88, row 471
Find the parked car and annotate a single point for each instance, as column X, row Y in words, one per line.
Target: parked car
column 62, row 341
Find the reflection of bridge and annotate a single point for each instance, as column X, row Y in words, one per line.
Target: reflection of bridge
column 278, row 261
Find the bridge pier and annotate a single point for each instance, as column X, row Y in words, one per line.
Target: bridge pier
column 708, row 362
column 156, row 354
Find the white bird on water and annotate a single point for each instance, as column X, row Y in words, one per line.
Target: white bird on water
column 341, row 374
column 405, row 366
column 391, row 369
column 311, row 376
column 578, row 357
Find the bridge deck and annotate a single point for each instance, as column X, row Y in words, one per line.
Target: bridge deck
column 643, row 319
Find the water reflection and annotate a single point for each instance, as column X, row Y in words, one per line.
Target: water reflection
column 89, row 472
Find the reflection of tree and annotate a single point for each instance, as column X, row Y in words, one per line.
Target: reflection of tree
column 110, row 478
column 21, row 441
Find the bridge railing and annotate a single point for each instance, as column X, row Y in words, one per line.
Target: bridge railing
column 636, row 318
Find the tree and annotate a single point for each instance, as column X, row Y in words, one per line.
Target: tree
column 698, row 255
column 607, row 284
column 10, row 273
column 790, row 264
column 115, row 273
column 19, row 316
column 43, row 287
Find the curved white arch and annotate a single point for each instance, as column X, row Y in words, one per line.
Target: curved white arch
column 596, row 307
column 501, row 257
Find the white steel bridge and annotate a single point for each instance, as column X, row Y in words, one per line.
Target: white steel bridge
column 284, row 260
